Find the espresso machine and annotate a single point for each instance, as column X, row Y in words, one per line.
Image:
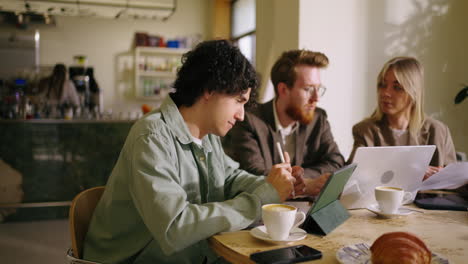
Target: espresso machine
column 87, row 88
column 81, row 81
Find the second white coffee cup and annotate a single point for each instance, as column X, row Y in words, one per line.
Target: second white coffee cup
column 390, row 198
column 279, row 219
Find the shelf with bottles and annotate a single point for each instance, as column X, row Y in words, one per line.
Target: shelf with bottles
column 153, row 88
column 155, row 70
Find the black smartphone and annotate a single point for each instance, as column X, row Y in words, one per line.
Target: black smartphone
column 292, row 254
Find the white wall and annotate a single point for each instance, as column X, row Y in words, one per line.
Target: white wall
column 442, row 46
column 107, row 42
column 338, row 29
column 359, row 36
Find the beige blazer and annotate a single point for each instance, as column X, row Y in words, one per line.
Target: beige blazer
column 368, row 133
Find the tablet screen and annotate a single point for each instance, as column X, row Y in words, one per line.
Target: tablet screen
column 333, row 187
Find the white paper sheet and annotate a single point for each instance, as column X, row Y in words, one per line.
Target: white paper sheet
column 451, row 177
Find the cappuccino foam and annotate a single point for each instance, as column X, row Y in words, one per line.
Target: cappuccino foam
column 385, row 188
column 279, row 208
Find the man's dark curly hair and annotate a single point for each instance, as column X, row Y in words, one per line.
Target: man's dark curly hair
column 213, row 66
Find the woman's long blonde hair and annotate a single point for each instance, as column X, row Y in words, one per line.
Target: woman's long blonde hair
column 410, row 74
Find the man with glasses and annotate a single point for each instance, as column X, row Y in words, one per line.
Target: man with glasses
column 291, row 119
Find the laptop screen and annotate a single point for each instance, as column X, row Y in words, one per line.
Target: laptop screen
column 396, row 166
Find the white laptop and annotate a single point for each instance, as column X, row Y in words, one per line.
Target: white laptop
column 399, row 166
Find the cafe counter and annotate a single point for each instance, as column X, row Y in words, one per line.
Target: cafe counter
column 55, row 160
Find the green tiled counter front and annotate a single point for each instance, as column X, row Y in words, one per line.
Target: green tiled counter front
column 59, row 158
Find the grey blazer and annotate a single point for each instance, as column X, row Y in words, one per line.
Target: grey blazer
column 252, row 143
column 368, row 133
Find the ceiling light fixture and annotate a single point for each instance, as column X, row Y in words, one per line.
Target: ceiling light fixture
column 123, row 10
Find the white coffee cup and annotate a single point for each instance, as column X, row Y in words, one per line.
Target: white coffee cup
column 279, row 219
column 390, row 198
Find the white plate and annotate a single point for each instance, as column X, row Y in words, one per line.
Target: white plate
column 361, row 254
column 401, row 211
column 261, row 233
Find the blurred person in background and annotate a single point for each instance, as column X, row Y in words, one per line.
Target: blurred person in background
column 58, row 90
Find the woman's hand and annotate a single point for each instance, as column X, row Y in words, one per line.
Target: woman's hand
column 431, row 171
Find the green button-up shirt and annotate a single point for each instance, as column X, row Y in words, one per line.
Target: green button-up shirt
column 166, row 195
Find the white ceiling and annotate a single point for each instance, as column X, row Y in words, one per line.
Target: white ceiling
column 140, row 9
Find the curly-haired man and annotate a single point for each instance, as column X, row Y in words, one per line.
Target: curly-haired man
column 173, row 187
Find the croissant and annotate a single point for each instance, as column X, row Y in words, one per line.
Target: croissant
column 401, row 248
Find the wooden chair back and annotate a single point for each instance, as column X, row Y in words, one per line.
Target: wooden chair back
column 81, row 211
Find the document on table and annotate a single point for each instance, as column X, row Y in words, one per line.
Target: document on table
column 450, row 177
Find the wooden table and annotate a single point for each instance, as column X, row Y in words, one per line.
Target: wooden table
column 445, row 232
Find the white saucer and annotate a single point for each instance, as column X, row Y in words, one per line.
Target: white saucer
column 360, row 254
column 401, row 211
column 261, row 233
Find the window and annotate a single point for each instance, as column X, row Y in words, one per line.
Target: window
column 243, row 27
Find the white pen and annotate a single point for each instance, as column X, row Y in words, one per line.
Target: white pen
column 278, row 145
column 280, row 150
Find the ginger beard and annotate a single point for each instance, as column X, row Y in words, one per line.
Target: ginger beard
column 303, row 115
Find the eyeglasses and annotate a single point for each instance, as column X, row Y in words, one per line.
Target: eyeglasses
column 320, row 90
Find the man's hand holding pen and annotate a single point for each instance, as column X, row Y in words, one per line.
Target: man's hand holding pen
column 297, row 173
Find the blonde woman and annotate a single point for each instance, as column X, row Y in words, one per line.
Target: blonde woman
column 399, row 118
